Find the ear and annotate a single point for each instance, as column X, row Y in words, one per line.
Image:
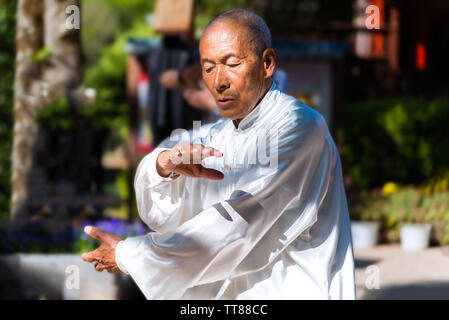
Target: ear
column 269, row 62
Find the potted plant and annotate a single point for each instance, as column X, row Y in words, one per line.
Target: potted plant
column 365, row 234
column 366, row 222
column 410, row 210
column 436, row 205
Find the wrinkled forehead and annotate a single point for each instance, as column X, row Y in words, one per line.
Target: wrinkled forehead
column 221, row 37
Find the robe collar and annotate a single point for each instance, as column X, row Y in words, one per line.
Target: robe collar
column 258, row 111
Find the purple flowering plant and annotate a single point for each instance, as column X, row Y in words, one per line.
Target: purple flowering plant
column 116, row 226
column 36, row 237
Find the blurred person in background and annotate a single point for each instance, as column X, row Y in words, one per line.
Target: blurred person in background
column 195, row 90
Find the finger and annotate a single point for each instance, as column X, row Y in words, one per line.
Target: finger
column 216, row 153
column 106, row 238
column 177, row 152
column 94, row 232
column 196, row 153
column 211, row 174
column 99, row 267
column 209, row 151
column 192, row 154
column 89, row 256
column 176, row 156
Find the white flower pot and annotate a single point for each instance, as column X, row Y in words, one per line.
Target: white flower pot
column 364, row 234
column 415, row 236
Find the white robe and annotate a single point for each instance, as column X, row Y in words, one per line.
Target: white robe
column 264, row 231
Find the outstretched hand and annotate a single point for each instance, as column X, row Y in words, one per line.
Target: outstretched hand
column 105, row 253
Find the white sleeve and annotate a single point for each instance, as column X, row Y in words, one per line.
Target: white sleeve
column 209, row 246
column 159, row 200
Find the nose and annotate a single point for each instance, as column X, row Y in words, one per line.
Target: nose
column 221, row 81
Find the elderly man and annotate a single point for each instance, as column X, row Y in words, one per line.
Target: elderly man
column 227, row 224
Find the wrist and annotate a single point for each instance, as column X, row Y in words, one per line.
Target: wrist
column 119, row 263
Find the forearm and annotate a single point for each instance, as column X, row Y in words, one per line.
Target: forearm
column 164, row 266
column 158, row 198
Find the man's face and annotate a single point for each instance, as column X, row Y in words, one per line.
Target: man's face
column 231, row 70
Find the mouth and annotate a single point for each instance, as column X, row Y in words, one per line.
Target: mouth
column 224, row 102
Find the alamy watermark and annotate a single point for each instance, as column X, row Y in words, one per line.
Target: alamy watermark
column 72, row 280
column 372, row 281
column 72, row 20
column 372, row 20
column 262, row 148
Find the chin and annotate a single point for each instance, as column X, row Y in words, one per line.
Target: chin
column 228, row 113
column 231, row 112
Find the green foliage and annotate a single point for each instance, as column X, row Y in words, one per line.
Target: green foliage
column 7, row 57
column 119, row 187
column 108, row 78
column 211, row 8
column 370, row 208
column 408, row 205
column 106, row 70
column 103, row 20
column 100, row 25
column 57, row 115
column 394, row 140
column 128, row 12
column 83, row 244
column 41, row 54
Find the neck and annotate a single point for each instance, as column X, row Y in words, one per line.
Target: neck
column 267, row 86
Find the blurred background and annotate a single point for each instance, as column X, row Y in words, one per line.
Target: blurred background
column 82, row 101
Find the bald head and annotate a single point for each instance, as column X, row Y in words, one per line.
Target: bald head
column 257, row 32
column 237, row 61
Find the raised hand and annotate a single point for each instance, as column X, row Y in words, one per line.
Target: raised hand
column 185, row 159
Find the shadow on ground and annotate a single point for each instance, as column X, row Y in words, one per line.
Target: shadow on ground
column 363, row 263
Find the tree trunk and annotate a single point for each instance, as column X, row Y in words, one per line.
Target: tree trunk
column 40, row 25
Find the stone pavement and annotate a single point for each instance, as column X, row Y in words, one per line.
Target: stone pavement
column 388, row 272
column 60, row 276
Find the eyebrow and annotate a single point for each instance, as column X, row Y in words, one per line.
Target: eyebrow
column 226, row 57
column 206, row 60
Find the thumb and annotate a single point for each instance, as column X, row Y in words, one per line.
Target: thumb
column 94, row 232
